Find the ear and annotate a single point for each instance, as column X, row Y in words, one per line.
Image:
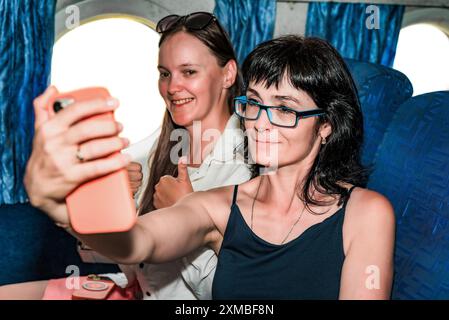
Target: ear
column 229, row 73
column 325, row 130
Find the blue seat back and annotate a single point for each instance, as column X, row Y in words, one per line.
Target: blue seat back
column 381, row 91
column 412, row 170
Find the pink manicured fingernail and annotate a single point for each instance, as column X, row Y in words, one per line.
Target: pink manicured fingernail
column 112, row 102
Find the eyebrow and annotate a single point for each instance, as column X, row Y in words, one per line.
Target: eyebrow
column 287, row 98
column 277, row 97
column 181, row 65
column 253, row 92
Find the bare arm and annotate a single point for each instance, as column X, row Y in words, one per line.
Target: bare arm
column 368, row 268
column 161, row 236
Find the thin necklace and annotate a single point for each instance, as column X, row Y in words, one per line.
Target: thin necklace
column 252, row 214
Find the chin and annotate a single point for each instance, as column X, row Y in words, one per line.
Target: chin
column 266, row 161
column 183, row 120
column 265, row 154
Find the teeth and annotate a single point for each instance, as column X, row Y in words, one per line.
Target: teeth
column 182, row 101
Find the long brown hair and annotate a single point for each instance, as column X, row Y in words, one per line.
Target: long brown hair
column 215, row 38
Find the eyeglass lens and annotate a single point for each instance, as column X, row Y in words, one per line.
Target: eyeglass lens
column 279, row 116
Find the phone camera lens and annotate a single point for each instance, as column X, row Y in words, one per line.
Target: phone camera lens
column 57, row 106
column 61, row 103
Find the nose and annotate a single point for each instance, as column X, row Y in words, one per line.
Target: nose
column 263, row 123
column 174, row 85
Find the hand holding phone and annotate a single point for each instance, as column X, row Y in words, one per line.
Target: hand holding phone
column 104, row 204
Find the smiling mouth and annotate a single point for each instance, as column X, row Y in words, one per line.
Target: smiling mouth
column 181, row 102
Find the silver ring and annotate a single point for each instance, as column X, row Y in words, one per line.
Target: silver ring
column 78, row 154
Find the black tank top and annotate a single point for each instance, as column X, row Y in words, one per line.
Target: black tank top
column 308, row 267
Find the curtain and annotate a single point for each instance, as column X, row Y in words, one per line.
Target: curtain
column 248, row 23
column 359, row 31
column 27, row 34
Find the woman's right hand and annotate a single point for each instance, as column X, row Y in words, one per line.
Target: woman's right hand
column 135, row 176
column 53, row 169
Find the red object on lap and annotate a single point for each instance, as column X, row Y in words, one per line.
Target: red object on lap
column 57, row 289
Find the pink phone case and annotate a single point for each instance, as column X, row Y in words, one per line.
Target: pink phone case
column 105, row 204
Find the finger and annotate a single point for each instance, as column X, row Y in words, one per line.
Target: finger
column 135, row 176
column 183, row 174
column 97, row 168
column 134, row 166
column 83, row 109
column 135, row 185
column 98, row 148
column 92, row 129
column 164, row 180
column 40, row 105
column 134, row 189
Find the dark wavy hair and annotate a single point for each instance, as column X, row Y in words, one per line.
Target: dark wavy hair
column 314, row 66
column 215, row 38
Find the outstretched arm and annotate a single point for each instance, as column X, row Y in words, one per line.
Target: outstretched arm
column 161, row 236
column 53, row 172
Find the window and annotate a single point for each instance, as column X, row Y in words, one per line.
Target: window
column 422, row 55
column 121, row 55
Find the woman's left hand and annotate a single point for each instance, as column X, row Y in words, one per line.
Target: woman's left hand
column 170, row 189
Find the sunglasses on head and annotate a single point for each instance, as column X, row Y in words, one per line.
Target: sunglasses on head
column 193, row 21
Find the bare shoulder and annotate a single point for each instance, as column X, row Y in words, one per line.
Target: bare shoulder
column 368, row 209
column 368, row 238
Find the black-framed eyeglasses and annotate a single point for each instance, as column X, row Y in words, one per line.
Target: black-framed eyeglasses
column 193, row 21
column 280, row 116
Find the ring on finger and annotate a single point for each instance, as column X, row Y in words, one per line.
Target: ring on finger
column 79, row 155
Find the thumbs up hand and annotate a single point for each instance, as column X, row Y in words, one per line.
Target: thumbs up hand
column 170, row 189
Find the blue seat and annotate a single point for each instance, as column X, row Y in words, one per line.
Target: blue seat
column 33, row 248
column 412, row 170
column 381, row 91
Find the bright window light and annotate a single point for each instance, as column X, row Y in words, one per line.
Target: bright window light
column 121, row 55
column 423, row 56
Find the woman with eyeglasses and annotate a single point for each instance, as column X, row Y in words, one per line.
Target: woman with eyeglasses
column 199, row 78
column 305, row 228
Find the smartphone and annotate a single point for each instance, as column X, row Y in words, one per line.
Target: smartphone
column 93, row 288
column 105, row 204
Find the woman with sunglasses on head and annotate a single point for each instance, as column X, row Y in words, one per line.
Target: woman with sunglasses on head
column 198, row 80
column 304, row 230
